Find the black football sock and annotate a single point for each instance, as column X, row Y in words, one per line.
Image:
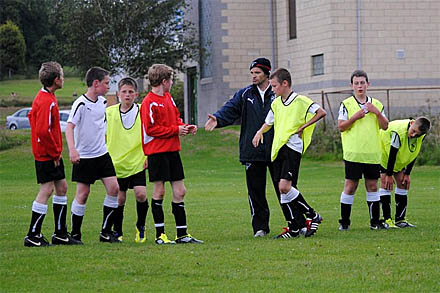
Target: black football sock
column 401, row 203
column 289, row 215
column 178, row 209
column 118, row 219
column 158, row 217
column 385, row 201
column 59, row 205
column 78, row 211
column 38, row 213
column 345, row 214
column 76, row 225
column 374, row 210
column 302, row 205
column 108, row 219
column 142, row 209
column 109, row 210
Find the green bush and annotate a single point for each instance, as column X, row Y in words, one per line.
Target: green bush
column 326, row 143
column 10, row 139
column 430, row 152
column 177, row 94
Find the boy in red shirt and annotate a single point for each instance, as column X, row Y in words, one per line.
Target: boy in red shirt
column 161, row 128
column 47, row 145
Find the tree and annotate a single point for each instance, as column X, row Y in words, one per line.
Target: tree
column 127, row 35
column 12, row 49
column 34, row 18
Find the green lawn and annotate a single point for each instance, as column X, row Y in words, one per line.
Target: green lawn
column 359, row 260
column 27, row 89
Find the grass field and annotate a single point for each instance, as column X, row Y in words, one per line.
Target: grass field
column 26, row 90
column 359, row 260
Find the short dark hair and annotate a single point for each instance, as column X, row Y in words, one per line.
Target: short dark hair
column 95, row 73
column 423, row 124
column 127, row 81
column 358, row 73
column 282, row 74
column 159, row 72
column 48, row 72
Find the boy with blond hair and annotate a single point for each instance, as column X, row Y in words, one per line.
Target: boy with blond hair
column 161, row 128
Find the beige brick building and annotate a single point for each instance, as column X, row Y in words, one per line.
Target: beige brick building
column 321, row 42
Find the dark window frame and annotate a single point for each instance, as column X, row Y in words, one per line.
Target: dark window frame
column 316, row 71
column 292, row 19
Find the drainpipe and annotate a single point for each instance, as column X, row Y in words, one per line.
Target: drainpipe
column 359, row 53
column 272, row 33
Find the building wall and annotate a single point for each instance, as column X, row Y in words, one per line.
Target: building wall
column 399, row 45
column 399, row 42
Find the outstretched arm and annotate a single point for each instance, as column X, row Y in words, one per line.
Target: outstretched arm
column 211, row 123
column 228, row 114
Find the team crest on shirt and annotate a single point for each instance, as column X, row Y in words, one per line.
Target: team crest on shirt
column 251, row 100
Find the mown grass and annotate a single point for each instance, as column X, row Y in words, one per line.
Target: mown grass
column 26, row 90
column 358, row 260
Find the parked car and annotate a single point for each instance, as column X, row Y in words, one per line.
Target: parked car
column 19, row 119
column 64, row 115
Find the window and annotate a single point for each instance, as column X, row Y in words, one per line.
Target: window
column 23, row 113
column 318, row 64
column 205, row 27
column 292, row 19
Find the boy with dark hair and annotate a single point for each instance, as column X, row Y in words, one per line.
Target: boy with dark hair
column 293, row 117
column 124, row 143
column 47, row 145
column 161, row 128
column 85, row 135
column 359, row 121
column 401, row 144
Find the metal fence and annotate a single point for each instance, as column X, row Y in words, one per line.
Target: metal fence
column 398, row 102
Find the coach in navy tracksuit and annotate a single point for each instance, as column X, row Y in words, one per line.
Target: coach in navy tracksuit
column 252, row 104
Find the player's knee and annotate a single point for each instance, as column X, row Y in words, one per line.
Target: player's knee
column 179, row 194
column 371, row 186
column 62, row 190
column 284, row 187
column 121, row 200
column 114, row 189
column 140, row 196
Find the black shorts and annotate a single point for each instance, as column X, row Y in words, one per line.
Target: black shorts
column 129, row 182
column 165, row 167
column 89, row 170
column 286, row 165
column 47, row 172
column 354, row 170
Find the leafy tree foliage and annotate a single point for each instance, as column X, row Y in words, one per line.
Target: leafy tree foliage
column 12, row 49
column 127, row 35
column 34, row 18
